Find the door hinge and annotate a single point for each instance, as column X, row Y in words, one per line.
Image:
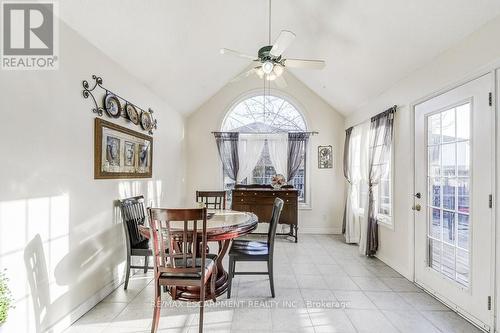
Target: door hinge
column 490, row 201
column 490, row 99
column 489, row 302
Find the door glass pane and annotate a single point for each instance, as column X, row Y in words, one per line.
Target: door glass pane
column 448, row 123
column 449, row 193
column 463, row 122
column 435, row 254
column 463, row 199
column 463, row 231
column 434, row 160
column 435, row 192
column 448, row 204
column 449, row 227
column 448, row 261
column 463, row 158
column 434, row 129
column 449, row 160
column 463, row 267
column 435, row 226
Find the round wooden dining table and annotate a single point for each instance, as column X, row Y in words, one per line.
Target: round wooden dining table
column 222, row 227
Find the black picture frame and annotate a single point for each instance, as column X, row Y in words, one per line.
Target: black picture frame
column 325, row 157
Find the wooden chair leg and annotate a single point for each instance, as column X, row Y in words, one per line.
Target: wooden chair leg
column 230, row 277
column 212, row 284
column 157, row 308
column 202, row 306
column 127, row 273
column 173, row 292
column 146, row 263
column 271, row 275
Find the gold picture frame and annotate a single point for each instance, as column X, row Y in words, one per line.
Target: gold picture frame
column 121, row 153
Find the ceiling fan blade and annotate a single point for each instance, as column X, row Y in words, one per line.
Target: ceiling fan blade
column 280, row 82
column 282, row 43
column 244, row 75
column 236, row 53
column 304, row 63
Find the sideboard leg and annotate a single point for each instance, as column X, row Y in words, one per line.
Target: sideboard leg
column 296, row 227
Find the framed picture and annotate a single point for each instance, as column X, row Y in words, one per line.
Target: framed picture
column 325, row 157
column 120, row 152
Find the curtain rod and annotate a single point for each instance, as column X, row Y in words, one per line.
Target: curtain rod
column 395, row 107
column 266, row 133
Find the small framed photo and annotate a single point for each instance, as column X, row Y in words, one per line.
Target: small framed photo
column 325, row 157
column 120, row 152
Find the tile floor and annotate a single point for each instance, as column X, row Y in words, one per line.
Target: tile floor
column 322, row 285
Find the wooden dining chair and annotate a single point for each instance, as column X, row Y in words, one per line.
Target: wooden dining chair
column 133, row 215
column 178, row 261
column 250, row 250
column 212, row 199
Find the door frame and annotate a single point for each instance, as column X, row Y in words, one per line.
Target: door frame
column 494, row 71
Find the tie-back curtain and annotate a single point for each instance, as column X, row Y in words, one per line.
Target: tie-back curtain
column 250, row 148
column 381, row 133
column 347, row 173
column 297, row 144
column 357, row 186
column 227, row 146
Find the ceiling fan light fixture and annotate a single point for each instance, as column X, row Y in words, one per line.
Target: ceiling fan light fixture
column 260, row 72
column 278, row 70
column 267, row 67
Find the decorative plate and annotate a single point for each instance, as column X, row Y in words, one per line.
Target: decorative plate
column 146, row 121
column 132, row 114
column 112, row 106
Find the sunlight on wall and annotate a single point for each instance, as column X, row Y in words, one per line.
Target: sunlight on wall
column 20, row 222
column 153, row 191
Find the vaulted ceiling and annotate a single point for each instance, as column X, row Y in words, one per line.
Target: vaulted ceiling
column 173, row 46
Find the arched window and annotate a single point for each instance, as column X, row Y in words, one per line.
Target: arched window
column 266, row 114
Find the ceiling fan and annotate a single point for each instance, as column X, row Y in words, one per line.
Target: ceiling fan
column 270, row 63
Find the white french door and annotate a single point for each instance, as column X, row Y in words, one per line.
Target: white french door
column 453, row 184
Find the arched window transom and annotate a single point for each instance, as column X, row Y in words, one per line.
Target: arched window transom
column 269, row 114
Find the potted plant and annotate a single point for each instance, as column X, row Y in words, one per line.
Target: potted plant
column 5, row 299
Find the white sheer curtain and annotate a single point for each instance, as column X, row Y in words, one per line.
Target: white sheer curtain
column 362, row 185
column 278, row 152
column 250, row 148
column 357, row 190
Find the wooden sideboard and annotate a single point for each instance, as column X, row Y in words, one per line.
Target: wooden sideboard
column 259, row 200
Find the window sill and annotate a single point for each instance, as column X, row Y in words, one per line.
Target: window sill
column 386, row 222
column 305, row 206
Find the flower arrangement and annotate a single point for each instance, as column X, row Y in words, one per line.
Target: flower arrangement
column 277, row 181
column 5, row 298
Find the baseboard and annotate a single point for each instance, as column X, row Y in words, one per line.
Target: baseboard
column 395, row 267
column 320, row 230
column 83, row 308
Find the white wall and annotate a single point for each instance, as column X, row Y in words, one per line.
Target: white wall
column 47, row 182
column 472, row 55
column 327, row 185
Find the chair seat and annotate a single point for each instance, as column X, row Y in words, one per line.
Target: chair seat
column 248, row 248
column 179, row 262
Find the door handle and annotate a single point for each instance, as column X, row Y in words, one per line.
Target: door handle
column 418, row 195
column 417, row 207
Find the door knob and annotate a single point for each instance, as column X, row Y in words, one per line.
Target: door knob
column 417, row 207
